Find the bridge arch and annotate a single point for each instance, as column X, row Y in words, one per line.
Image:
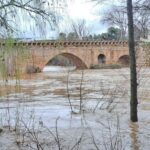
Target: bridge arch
column 101, row 59
column 124, row 60
column 78, row 62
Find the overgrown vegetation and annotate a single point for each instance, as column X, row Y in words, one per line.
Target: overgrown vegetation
column 104, row 66
column 26, row 131
column 112, row 33
column 12, row 57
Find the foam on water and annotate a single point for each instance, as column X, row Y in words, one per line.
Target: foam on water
column 58, row 68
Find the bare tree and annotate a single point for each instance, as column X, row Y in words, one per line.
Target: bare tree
column 39, row 10
column 80, row 29
column 142, row 21
column 142, row 5
column 117, row 16
column 133, row 73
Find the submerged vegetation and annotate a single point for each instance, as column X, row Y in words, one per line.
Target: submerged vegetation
column 78, row 110
column 75, row 110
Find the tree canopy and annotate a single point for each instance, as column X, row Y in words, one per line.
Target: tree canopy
column 112, row 33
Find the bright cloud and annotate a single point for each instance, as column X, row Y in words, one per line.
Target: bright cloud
column 73, row 10
column 81, row 9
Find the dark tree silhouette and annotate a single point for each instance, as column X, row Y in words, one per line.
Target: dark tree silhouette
column 133, row 73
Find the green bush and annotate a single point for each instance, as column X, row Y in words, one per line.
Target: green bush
column 104, row 66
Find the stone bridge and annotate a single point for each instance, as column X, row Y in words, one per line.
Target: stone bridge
column 82, row 53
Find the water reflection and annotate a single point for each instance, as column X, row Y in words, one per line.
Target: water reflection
column 134, row 132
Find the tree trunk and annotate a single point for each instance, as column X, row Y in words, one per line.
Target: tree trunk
column 133, row 73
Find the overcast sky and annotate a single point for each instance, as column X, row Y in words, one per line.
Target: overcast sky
column 81, row 9
column 74, row 10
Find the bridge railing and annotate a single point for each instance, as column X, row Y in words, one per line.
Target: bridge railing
column 69, row 43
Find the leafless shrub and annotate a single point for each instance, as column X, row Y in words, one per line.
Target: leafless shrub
column 40, row 137
column 110, row 140
column 68, row 93
column 81, row 96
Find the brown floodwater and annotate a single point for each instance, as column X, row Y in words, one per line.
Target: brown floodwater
column 98, row 99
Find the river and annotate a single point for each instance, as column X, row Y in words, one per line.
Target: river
column 74, row 109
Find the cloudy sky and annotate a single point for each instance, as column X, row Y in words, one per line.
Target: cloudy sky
column 91, row 12
column 81, row 9
column 74, row 10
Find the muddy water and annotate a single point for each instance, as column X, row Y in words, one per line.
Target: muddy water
column 102, row 95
